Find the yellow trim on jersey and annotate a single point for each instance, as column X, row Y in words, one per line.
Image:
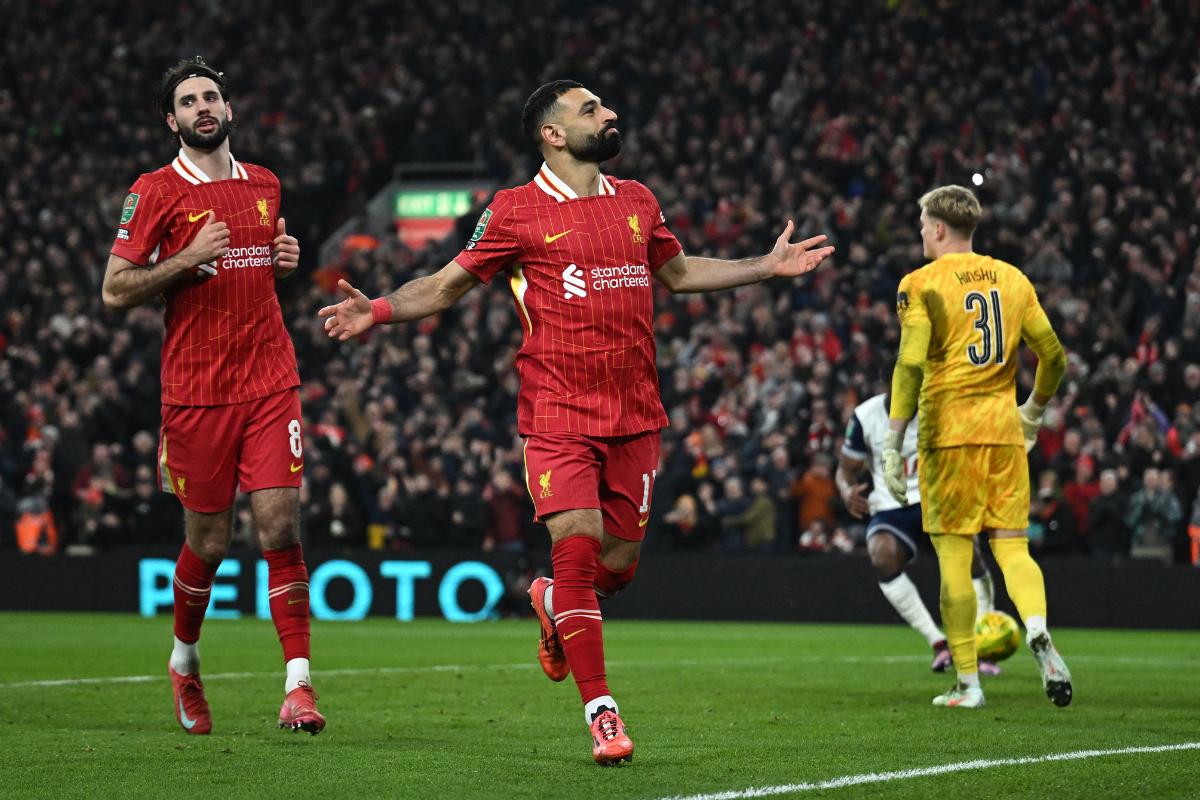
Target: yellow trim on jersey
column 519, row 286
column 168, row 485
column 525, row 465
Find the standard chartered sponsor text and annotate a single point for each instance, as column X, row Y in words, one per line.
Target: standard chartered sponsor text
column 626, row 275
column 241, row 257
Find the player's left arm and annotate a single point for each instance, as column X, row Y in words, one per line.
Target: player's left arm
column 285, row 251
column 1039, row 334
column 683, row 273
column 915, row 333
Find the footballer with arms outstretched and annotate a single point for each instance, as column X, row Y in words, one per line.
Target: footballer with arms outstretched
column 204, row 232
column 579, row 249
column 962, row 319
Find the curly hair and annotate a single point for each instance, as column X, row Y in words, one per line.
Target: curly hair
column 180, row 72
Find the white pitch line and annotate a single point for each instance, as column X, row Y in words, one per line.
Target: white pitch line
column 898, row 659
column 923, row 772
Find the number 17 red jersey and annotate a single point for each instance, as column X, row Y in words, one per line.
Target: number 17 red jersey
column 579, row 269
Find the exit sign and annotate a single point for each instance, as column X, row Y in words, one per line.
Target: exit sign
column 447, row 203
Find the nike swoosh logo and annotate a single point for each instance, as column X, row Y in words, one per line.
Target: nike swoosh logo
column 301, row 600
column 297, row 467
column 201, row 603
column 642, row 522
column 183, row 717
column 194, row 217
column 573, row 633
column 556, row 236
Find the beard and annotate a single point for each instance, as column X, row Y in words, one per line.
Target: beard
column 205, row 141
column 598, row 147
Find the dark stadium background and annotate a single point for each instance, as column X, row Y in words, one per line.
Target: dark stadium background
column 1080, row 119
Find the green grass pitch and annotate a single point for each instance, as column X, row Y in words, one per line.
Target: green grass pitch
column 433, row 709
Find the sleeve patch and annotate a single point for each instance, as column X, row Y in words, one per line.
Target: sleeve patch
column 129, row 208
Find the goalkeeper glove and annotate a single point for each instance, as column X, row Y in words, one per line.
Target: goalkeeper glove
column 1031, row 419
column 893, row 467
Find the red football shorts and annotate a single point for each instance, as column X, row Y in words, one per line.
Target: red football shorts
column 206, row 452
column 566, row 471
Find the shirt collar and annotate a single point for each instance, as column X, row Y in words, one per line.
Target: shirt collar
column 557, row 188
column 187, row 169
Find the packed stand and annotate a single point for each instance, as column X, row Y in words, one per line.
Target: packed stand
column 1081, row 122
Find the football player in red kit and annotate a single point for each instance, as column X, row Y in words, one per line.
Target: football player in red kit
column 205, row 233
column 579, row 249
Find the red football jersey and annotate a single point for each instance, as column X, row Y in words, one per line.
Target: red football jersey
column 225, row 338
column 579, row 269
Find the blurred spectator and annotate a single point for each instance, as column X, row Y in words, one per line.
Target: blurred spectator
column 506, row 507
column 1110, row 536
column 1051, row 522
column 757, row 522
column 154, row 517
column 336, row 522
column 1154, row 513
column 815, row 491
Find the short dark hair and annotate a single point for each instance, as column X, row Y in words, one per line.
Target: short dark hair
column 539, row 106
column 180, row 72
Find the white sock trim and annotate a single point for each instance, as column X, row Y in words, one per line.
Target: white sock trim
column 590, row 707
column 548, row 601
column 297, row 673
column 1035, row 626
column 970, row 679
column 185, row 658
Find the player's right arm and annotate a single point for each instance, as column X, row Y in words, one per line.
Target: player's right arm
column 127, row 284
column 417, row 299
column 1052, row 365
column 915, row 333
column 492, row 247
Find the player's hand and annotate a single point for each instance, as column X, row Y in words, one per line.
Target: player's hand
column 209, row 245
column 286, row 252
column 1031, row 420
column 350, row 317
column 790, row 260
column 893, row 467
column 856, row 501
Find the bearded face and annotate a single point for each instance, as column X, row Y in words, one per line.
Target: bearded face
column 206, row 133
column 597, row 147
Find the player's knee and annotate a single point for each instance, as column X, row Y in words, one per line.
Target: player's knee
column 210, row 549
column 609, row 581
column 278, row 532
column 887, row 555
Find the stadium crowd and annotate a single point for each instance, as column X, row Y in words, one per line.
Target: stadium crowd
column 1081, row 121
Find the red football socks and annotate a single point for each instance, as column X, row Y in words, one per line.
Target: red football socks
column 609, row 583
column 193, row 585
column 287, row 582
column 577, row 612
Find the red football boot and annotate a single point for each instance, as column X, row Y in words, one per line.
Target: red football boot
column 549, row 650
column 191, row 709
column 610, row 744
column 299, row 711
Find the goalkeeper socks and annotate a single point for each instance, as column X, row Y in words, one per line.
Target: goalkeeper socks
column 287, row 584
column 193, row 586
column 1022, row 577
column 609, row 582
column 958, row 598
column 985, row 594
column 577, row 618
column 902, row 593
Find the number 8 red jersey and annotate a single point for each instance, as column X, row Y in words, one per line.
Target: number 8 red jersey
column 579, row 269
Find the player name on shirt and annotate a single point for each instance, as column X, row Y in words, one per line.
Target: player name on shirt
column 975, row 275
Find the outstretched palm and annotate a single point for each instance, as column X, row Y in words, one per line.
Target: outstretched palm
column 348, row 318
column 790, row 260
